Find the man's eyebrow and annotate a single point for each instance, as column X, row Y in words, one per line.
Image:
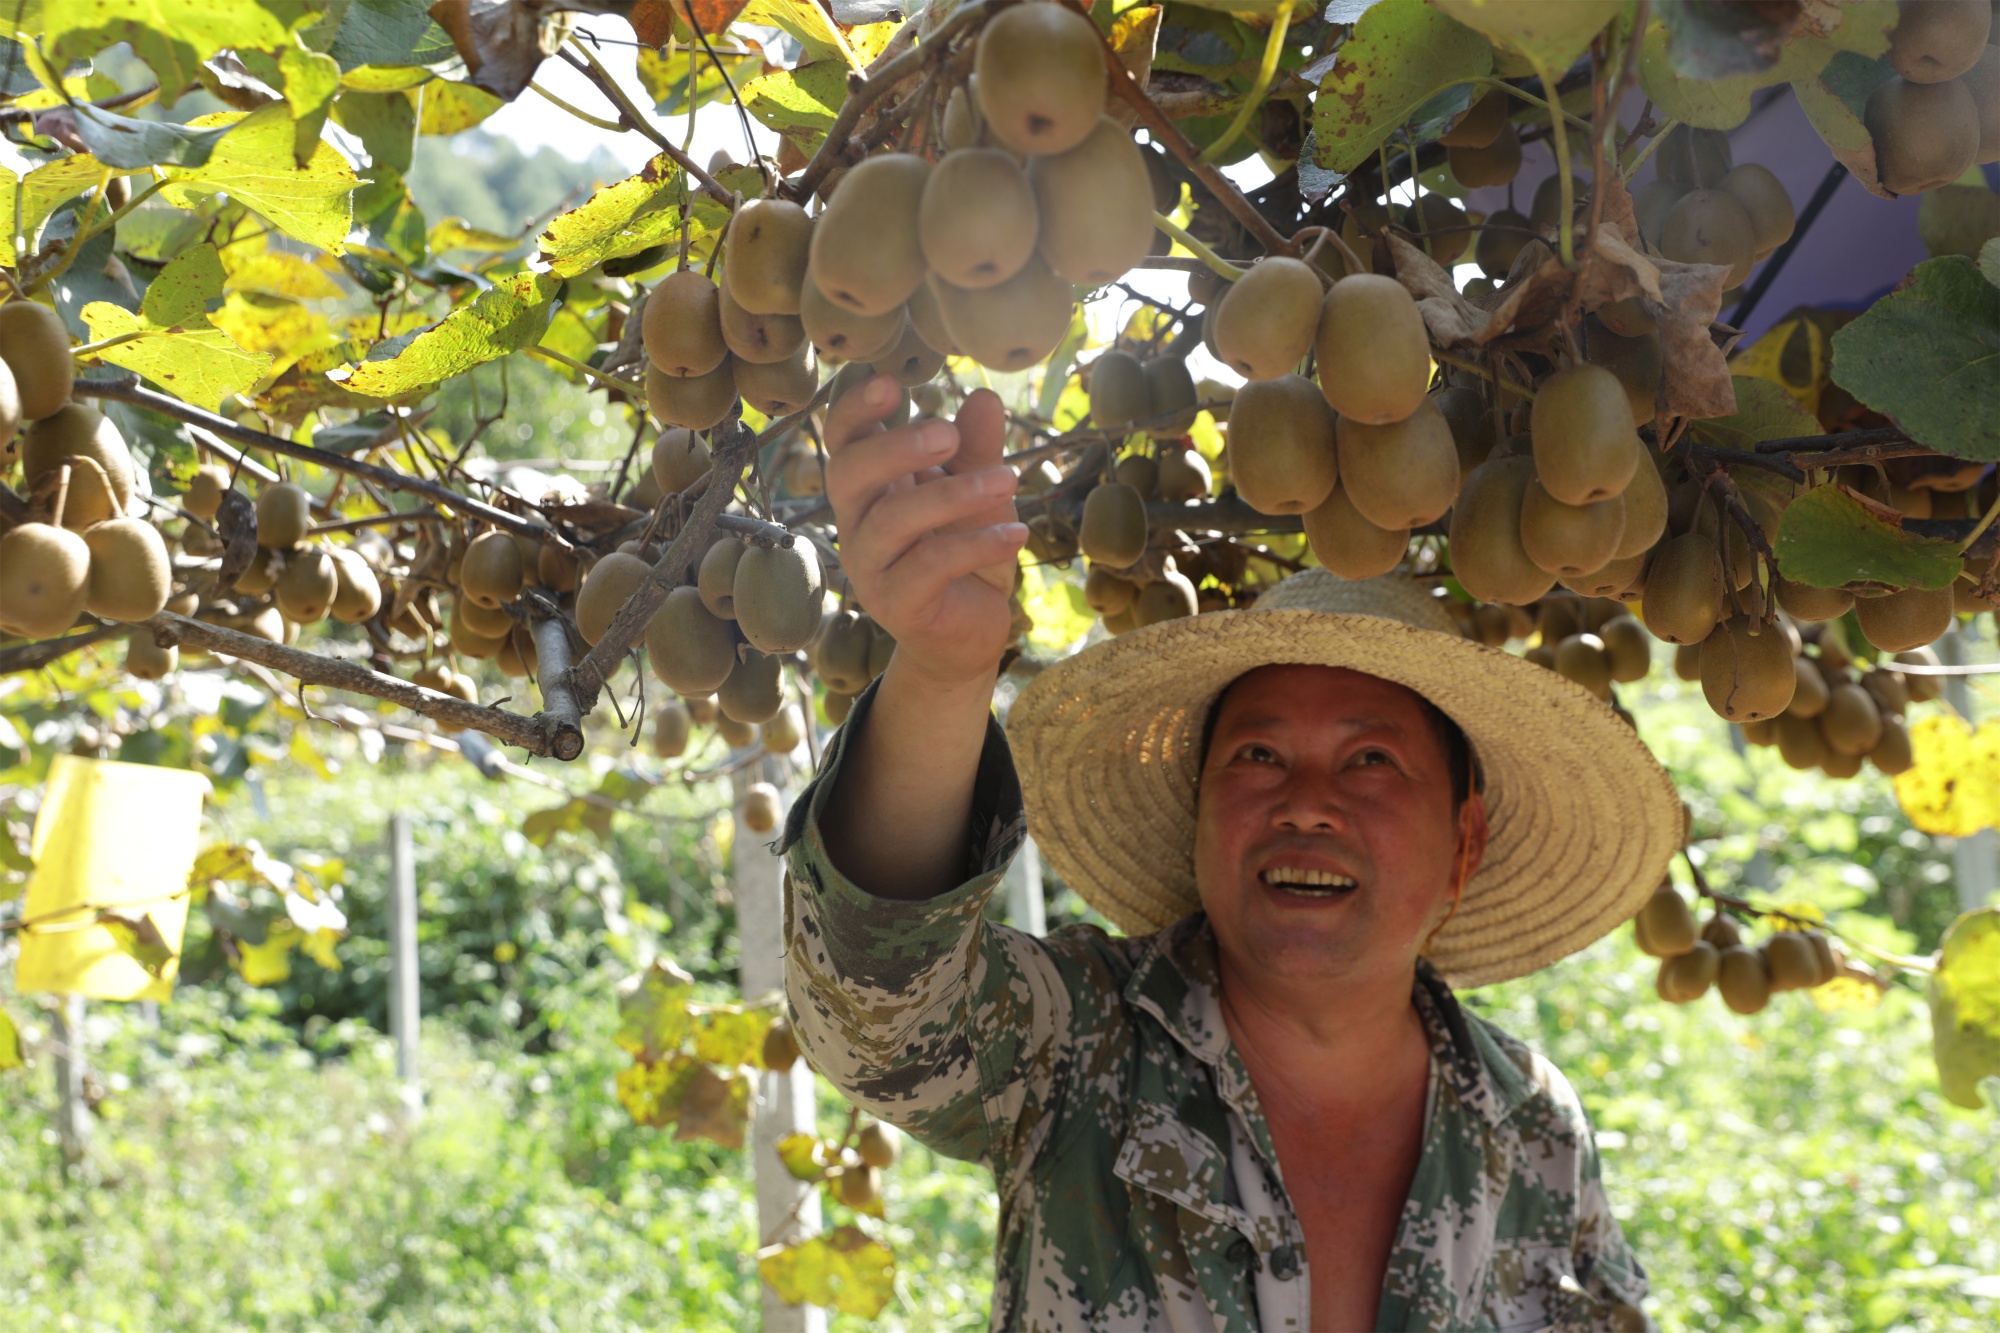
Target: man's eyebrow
column 1271, row 722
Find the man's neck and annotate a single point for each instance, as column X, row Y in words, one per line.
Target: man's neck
column 1329, row 1042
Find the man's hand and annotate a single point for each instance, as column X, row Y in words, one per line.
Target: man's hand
column 928, row 537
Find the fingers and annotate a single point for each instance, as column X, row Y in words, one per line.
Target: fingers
column 901, row 519
column 862, row 469
column 857, row 412
column 982, row 432
column 922, row 575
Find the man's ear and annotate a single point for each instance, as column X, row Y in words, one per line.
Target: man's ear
column 1473, row 832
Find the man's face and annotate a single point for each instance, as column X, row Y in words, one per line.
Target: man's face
column 1326, row 845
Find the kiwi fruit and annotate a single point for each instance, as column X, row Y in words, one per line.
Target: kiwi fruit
column 284, row 513
column 878, row 1144
column 74, row 431
column 1141, row 472
column 130, row 575
column 1958, row 219
column 1936, row 40
column 1282, row 457
column 260, row 575
column 44, row 579
column 1569, row 540
column 517, row 658
column 1747, row 677
column 859, row 1187
column 1668, row 923
column 1265, row 323
column 1892, row 753
column 1169, row 597
column 1905, row 620
column 1171, row 397
column 35, row 347
column 1809, row 693
column 1113, row 531
column 306, row 585
column 205, row 490
column 1585, row 446
column 486, row 622
column 779, row 388
column 912, row 361
column 758, row 339
column 1983, row 82
column 672, row 729
column 1096, row 206
column 1400, row 475
column 1481, row 124
column 1039, row 79
column 1852, row 722
column 1742, row 979
column 1920, row 688
column 1887, row 689
column 1636, row 362
column 1772, row 218
column 1792, row 961
column 1118, row 395
column 1485, row 534
column 682, row 325
column 1106, row 592
column 781, row 1049
column 977, row 219
column 1184, row 475
column 696, row 402
column 777, row 596
column 838, row 334
column 715, row 579
column 1373, row 354
column 867, row 256
column 691, row 650
column 962, row 127
column 754, row 690
column 1651, row 205
column 1645, row 513
column 1581, row 658
column 1442, row 228
column 841, row 655
column 605, row 588
column 1620, row 580
column 769, row 243
column 146, row 660
column 492, row 570
column 881, row 648
column 680, row 459
column 1926, row 134
column 782, row 734
column 1802, row 601
column 1683, row 600
column 1686, row 977
column 1493, row 164
column 1694, row 159
column 1546, row 207
column 1628, row 646
column 1012, row 325
column 1465, row 414
column 1711, row 227
column 357, row 593
column 1495, row 250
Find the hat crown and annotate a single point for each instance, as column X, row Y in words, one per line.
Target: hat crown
column 1390, row 596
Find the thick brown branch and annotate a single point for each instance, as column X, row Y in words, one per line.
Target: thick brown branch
column 536, row 735
column 35, row 656
column 559, row 704
column 130, row 391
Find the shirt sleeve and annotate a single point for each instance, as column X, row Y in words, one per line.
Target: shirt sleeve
column 925, row 1013
column 1605, row 1264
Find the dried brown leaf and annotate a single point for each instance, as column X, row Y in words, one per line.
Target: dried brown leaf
column 1695, row 376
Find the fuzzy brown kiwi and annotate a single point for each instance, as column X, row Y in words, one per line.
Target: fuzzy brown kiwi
column 1936, row 40
column 910, row 360
column 716, row 580
column 769, row 243
column 1171, row 396
column 977, row 219
column 1747, row 677
column 691, row 650
column 44, row 579
column 1113, row 531
column 205, row 490
column 1494, row 164
column 1802, row 601
column 672, row 728
column 1266, row 322
column 682, row 325
column 146, row 660
column 1742, row 979
column 777, row 594
column 492, row 571
column 779, row 388
column 1168, row 597
column 1372, row 350
column 1926, row 135
column 1039, row 72
column 1403, row 474
column 1852, row 721
column 1668, row 922
column 1500, row 242
column 1683, row 601
column 1904, row 620
column 1347, row 543
column 610, row 581
column 1809, row 691
column 284, row 514
column 1585, row 446
column 754, row 690
column 1485, row 534
column 866, row 253
column 696, row 402
column 130, row 575
column 758, row 339
column 1570, row 540
column 1184, row 475
column 1282, row 455
column 1012, row 325
column 357, row 593
column 839, row 334
column 306, row 586
column 35, row 346
column 76, row 431
column 1711, row 227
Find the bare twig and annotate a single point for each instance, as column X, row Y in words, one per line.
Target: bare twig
column 552, row 670
column 35, row 656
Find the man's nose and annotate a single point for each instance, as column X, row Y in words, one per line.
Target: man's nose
column 1310, row 802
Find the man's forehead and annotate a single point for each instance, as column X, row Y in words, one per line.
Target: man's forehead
column 1270, row 692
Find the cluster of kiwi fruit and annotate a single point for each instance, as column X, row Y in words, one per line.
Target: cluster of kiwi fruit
column 85, row 548
column 1938, row 115
column 1702, row 207
column 1694, row 959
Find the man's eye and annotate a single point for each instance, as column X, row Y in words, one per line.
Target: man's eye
column 1260, row 754
column 1373, row 757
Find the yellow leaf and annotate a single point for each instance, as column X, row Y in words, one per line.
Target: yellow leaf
column 729, row 1037
column 1953, row 788
column 650, row 1091
column 276, row 273
column 804, row 1155
column 285, row 329
column 199, row 366
column 10, row 1043
column 653, row 1017
column 268, row 963
column 253, row 165
column 444, row 107
column 843, row 1268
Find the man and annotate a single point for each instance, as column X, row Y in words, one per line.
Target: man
column 1263, row 1107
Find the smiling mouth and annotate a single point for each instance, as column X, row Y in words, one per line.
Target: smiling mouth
column 1308, row 883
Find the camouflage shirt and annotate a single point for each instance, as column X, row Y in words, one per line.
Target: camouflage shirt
column 1138, row 1185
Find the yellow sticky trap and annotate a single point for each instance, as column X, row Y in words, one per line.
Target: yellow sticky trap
column 109, row 835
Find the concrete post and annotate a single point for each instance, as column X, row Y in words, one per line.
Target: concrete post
column 784, row 1102
column 1975, row 860
column 1026, row 908
column 72, row 1063
column 405, row 1016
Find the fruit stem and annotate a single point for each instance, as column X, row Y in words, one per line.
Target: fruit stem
column 1274, row 46
column 608, row 381
column 105, row 344
column 600, row 122
column 1217, row 264
column 636, row 119
column 1559, row 136
column 1984, row 523
column 59, row 499
column 1485, row 374
column 1659, row 137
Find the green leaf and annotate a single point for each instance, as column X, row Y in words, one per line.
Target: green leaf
column 384, row 32
column 140, row 940
column 653, row 1017
column 173, row 37
column 253, row 165
column 1764, row 411
column 799, row 103
column 1929, row 356
column 505, row 318
column 458, row 234
column 385, row 123
column 10, row 1043
column 44, row 190
column 842, row 1268
column 1965, row 1006
column 182, row 291
column 1554, row 34
column 1401, row 54
column 311, row 83
column 804, row 1155
column 128, row 144
column 620, row 219
column 1828, row 538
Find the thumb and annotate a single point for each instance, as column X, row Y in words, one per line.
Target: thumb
column 982, row 432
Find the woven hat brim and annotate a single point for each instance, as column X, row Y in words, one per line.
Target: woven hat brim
column 1583, row 818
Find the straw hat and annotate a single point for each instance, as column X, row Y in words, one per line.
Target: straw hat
column 1583, row 817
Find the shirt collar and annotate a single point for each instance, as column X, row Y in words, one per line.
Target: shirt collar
column 1177, row 980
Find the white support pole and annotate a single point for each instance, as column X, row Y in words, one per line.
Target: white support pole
column 405, row 1015
column 1026, row 909
column 72, row 1063
column 1976, row 859
column 784, row 1103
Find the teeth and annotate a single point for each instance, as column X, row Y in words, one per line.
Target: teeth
column 1296, row 878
